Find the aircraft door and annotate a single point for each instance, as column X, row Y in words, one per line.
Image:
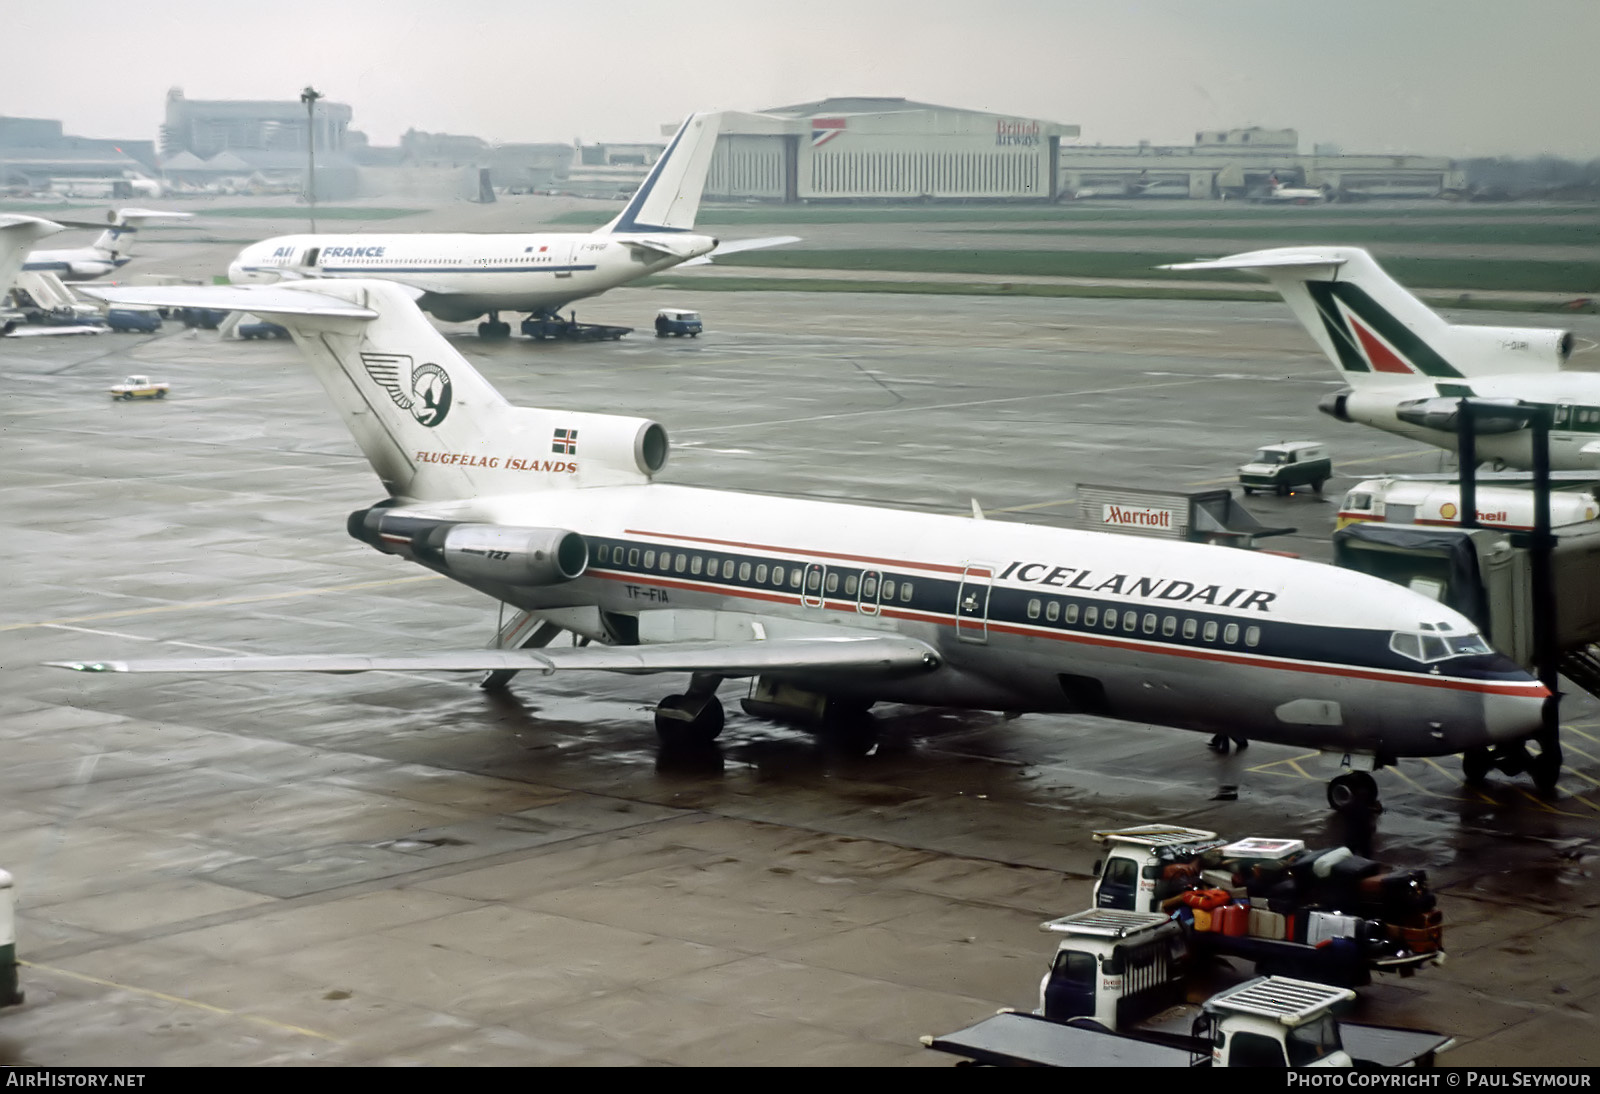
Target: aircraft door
column 868, row 602
column 310, row 260
column 972, row 602
column 811, row 587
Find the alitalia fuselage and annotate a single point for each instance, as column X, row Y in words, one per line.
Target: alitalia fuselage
column 1573, row 399
column 1027, row 617
column 463, row 276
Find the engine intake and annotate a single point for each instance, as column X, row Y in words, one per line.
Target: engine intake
column 507, row 554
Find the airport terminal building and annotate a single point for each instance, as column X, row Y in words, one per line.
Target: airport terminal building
column 881, row 149
column 890, row 149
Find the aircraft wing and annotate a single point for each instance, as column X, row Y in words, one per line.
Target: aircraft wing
column 869, row 655
column 1260, row 260
column 734, row 246
column 257, row 299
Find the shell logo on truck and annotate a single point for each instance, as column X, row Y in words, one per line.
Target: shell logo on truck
column 1408, row 501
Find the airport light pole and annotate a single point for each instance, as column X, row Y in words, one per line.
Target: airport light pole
column 309, row 96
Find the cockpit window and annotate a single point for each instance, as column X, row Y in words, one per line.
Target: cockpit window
column 1429, row 646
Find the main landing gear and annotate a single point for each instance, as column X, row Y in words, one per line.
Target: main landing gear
column 694, row 719
column 1543, row 766
column 492, row 328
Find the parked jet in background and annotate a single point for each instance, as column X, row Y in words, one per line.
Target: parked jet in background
column 109, row 252
column 1408, row 369
column 1298, row 195
column 555, row 513
column 462, row 276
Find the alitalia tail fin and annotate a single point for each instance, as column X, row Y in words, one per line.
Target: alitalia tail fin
column 431, row 426
column 1376, row 333
column 669, row 198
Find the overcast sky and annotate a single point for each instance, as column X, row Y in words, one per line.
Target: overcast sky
column 1445, row 77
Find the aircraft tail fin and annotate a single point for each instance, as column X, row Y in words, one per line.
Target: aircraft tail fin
column 430, row 425
column 669, row 197
column 1377, row 333
column 125, row 224
column 17, row 234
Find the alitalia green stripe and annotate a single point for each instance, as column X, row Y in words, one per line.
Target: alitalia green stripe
column 1397, row 334
column 1343, row 339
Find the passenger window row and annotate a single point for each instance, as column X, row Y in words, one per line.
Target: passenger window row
column 1130, row 622
column 778, row 576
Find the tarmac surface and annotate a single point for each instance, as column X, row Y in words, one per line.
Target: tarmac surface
column 399, row 868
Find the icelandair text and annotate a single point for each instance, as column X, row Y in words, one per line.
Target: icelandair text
column 1152, row 588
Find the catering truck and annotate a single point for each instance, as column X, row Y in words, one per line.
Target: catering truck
column 1325, row 915
column 1270, row 1021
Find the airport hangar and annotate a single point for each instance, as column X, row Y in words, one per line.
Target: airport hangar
column 891, row 149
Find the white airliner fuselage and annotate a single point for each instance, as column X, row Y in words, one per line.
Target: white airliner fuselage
column 111, row 251
column 556, row 513
column 462, row 276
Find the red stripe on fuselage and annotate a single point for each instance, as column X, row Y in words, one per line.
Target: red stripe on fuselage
column 1532, row 689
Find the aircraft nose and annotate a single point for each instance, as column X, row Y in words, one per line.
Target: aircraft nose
column 240, row 274
column 1513, row 717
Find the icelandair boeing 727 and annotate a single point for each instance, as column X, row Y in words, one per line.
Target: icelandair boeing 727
column 462, row 276
column 555, row 513
column 1408, row 369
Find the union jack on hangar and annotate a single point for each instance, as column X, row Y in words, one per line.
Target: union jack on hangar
column 824, row 130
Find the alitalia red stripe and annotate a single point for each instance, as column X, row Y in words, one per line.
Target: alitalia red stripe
column 1382, row 357
column 1531, row 689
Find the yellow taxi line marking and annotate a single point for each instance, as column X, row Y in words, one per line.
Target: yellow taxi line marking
column 164, row 997
column 188, row 604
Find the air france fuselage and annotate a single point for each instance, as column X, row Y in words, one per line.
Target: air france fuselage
column 463, row 275
column 1031, row 618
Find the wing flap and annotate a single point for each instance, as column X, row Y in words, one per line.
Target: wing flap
column 868, row 655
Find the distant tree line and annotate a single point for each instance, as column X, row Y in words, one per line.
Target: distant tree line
column 1542, row 176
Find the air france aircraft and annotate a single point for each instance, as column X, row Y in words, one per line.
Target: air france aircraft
column 111, row 251
column 1408, row 369
column 463, row 276
column 556, row 514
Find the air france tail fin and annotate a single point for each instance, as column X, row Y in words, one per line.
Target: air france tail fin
column 429, row 424
column 125, row 224
column 18, row 234
column 669, row 198
column 1376, row 333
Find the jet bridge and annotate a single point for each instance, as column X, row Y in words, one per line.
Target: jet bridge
column 1487, row 575
column 1206, row 516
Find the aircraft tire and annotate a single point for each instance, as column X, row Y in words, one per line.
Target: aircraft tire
column 698, row 731
column 1545, row 770
column 1355, row 792
column 1476, row 764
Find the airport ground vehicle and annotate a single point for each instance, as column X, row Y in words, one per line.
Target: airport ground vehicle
column 1266, row 1022
column 1326, row 915
column 204, row 318
column 139, row 387
column 540, row 327
column 259, row 329
column 1412, row 501
column 1286, row 465
column 677, row 322
column 141, row 320
column 10, row 993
